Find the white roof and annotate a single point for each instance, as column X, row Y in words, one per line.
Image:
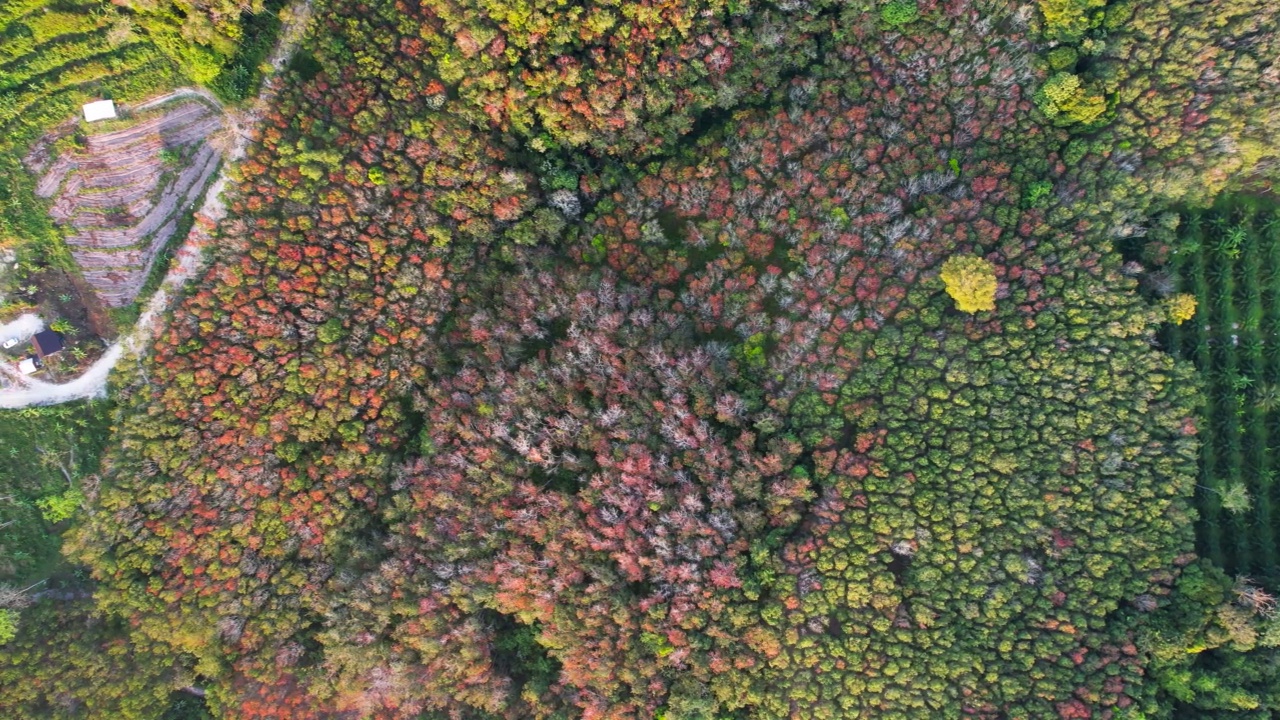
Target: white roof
column 100, row 110
column 27, row 366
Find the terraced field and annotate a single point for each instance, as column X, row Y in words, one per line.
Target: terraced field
column 114, row 202
column 1229, row 258
column 121, row 197
column 54, row 56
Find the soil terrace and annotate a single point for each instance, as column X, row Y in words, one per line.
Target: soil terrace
column 120, row 202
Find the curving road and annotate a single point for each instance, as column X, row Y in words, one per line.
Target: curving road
column 25, row 391
column 22, row 327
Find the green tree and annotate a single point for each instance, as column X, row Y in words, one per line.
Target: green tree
column 8, row 625
column 1069, row 20
column 56, row 508
column 897, row 13
column 1065, row 97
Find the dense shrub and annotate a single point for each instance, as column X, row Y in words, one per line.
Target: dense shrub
column 66, row 663
column 49, row 454
column 1193, row 89
column 1213, row 649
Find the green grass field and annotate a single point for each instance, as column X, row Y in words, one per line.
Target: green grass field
column 1229, row 258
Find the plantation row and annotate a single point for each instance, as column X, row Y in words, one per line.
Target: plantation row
column 1229, row 258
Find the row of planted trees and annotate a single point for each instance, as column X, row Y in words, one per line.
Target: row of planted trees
column 1223, row 263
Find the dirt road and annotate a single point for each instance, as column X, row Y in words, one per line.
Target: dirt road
column 22, row 328
column 26, row 391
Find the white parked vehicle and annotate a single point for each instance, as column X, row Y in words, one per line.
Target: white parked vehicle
column 9, row 342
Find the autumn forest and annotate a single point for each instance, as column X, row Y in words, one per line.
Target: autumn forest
column 671, row 359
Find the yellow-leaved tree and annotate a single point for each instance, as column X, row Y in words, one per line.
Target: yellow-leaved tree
column 1180, row 308
column 1065, row 97
column 971, row 282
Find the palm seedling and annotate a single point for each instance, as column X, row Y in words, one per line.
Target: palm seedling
column 1231, row 243
column 1220, row 277
column 1251, row 345
column 1219, row 223
column 1271, row 226
column 1235, row 498
column 1267, row 397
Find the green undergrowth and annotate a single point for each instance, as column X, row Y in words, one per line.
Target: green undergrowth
column 242, row 72
column 46, row 453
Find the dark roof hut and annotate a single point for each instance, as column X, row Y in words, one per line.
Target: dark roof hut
column 46, row 343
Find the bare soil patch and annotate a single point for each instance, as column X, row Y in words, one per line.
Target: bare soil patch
column 120, row 194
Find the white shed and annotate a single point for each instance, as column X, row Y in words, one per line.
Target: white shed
column 100, row 110
column 28, row 366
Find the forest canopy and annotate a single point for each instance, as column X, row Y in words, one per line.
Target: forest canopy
column 691, row 360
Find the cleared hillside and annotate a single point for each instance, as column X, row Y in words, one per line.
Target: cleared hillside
column 121, row 195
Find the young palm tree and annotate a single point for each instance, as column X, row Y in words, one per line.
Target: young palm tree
column 1267, row 397
column 1236, row 498
column 1272, row 224
column 1231, row 243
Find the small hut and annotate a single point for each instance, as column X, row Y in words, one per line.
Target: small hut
column 46, row 343
column 100, row 110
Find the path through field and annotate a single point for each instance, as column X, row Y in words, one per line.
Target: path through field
column 25, row 391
